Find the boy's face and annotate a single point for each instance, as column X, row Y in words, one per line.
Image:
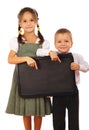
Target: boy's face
column 63, row 42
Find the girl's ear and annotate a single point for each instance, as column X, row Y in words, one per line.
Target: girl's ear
column 36, row 22
column 19, row 23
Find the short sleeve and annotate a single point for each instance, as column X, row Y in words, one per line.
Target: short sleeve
column 44, row 51
column 14, row 44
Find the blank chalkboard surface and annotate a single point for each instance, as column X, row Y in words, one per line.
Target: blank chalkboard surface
column 52, row 78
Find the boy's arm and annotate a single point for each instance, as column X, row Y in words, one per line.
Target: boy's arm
column 80, row 63
column 54, row 57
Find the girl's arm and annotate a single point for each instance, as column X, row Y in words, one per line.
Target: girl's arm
column 14, row 59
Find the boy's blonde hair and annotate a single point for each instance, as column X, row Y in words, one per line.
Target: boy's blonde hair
column 62, row 31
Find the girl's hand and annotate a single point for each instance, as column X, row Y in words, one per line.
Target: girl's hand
column 31, row 62
column 74, row 66
column 54, row 56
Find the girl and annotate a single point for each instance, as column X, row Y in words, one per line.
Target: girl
column 70, row 100
column 25, row 46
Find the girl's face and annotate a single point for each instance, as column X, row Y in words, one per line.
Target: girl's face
column 28, row 22
column 63, row 42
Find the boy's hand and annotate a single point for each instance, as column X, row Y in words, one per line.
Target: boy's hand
column 54, row 56
column 74, row 66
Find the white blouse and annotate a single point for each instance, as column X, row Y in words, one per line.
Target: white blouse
column 44, row 51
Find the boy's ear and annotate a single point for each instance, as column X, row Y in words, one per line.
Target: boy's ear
column 71, row 44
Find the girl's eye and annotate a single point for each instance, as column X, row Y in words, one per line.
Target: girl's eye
column 31, row 20
column 24, row 21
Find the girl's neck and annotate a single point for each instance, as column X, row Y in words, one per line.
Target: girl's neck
column 30, row 37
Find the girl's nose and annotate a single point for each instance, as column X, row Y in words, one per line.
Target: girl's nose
column 28, row 23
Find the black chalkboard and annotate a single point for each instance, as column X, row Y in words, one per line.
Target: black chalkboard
column 52, row 78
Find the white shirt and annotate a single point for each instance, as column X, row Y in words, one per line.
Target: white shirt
column 84, row 66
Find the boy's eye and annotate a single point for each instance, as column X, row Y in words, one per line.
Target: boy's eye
column 66, row 41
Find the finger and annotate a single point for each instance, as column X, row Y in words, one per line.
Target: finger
column 53, row 59
column 32, row 65
column 59, row 60
column 36, row 66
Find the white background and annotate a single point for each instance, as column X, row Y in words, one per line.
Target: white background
column 53, row 14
